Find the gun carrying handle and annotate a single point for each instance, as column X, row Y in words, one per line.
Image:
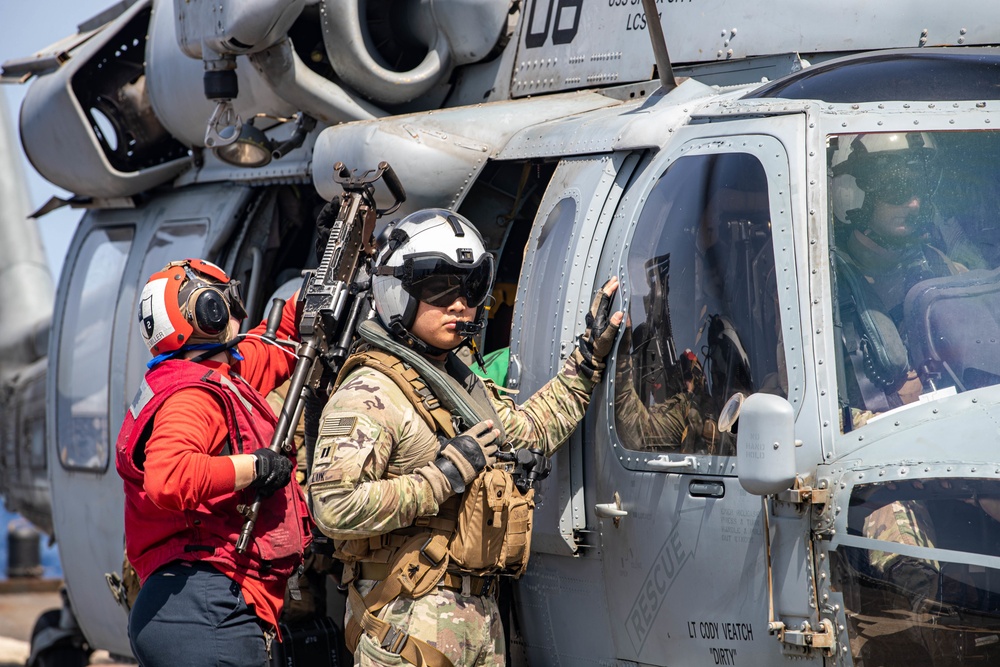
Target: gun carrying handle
column 392, row 182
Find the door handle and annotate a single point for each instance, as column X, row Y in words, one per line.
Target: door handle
column 611, row 511
column 662, row 462
column 707, row 489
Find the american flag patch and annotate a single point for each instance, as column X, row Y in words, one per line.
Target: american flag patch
column 338, row 426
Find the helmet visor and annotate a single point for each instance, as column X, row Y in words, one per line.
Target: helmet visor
column 900, row 176
column 439, row 281
column 901, row 186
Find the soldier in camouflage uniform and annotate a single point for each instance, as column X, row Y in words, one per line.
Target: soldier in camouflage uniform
column 683, row 421
column 904, row 522
column 381, row 472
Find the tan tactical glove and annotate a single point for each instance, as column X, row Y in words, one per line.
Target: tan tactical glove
column 596, row 342
column 461, row 459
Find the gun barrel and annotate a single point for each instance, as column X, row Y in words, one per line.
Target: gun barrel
column 306, row 353
column 327, row 291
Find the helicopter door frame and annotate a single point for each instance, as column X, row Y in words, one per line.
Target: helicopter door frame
column 553, row 296
column 665, row 531
column 775, row 159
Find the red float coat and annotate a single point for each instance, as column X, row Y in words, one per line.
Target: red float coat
column 179, row 498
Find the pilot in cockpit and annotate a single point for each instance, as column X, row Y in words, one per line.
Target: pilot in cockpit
column 889, row 235
column 893, row 233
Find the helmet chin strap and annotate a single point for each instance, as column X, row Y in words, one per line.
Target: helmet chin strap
column 464, row 329
column 211, row 349
column 404, row 336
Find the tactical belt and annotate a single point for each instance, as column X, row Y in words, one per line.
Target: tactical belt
column 467, row 584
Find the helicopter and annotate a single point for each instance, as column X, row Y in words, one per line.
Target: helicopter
column 793, row 459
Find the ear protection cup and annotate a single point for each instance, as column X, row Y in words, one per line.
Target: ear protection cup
column 188, row 301
column 210, row 311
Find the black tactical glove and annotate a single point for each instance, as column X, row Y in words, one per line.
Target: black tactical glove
column 324, row 223
column 596, row 342
column 461, row 459
column 464, row 456
column 272, row 471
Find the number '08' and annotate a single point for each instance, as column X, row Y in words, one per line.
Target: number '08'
column 534, row 39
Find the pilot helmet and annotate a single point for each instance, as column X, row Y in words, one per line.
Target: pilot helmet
column 435, row 256
column 890, row 167
column 187, row 303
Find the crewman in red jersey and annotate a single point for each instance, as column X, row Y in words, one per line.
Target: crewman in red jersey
column 194, row 447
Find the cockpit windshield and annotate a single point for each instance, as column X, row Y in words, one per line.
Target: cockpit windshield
column 920, row 576
column 915, row 253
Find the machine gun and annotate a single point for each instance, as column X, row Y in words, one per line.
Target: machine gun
column 330, row 302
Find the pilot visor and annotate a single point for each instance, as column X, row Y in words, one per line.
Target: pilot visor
column 439, row 281
column 902, row 186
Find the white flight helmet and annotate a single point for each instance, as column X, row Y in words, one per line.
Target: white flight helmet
column 436, row 256
column 890, row 166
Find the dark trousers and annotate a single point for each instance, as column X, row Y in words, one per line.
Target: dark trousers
column 193, row 615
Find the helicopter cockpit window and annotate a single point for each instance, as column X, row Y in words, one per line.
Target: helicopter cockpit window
column 83, row 438
column 916, row 260
column 703, row 306
column 920, row 579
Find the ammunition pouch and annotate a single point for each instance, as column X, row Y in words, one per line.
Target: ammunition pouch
column 493, row 534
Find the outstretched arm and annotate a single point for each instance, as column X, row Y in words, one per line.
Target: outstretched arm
column 546, row 420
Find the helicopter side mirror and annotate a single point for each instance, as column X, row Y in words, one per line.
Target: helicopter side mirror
column 764, row 425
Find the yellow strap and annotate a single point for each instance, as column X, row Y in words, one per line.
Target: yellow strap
column 390, row 637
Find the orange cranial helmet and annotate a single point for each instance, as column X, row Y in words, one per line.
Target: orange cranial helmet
column 188, row 302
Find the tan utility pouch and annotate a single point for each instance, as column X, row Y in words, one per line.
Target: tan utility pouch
column 494, row 526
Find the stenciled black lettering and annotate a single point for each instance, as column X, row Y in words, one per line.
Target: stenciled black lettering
column 737, row 632
column 566, row 35
column 723, row 656
column 535, row 39
column 636, row 21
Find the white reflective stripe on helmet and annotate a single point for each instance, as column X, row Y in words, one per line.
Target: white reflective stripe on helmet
column 155, row 322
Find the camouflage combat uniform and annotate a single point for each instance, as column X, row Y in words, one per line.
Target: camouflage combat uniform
column 682, row 422
column 363, row 484
column 904, row 522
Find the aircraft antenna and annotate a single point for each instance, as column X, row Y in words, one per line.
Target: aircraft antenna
column 663, row 65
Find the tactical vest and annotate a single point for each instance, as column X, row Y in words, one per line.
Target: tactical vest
column 155, row 536
column 485, row 531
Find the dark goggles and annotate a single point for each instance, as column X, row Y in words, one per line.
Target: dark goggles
column 899, row 189
column 230, row 292
column 439, row 281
